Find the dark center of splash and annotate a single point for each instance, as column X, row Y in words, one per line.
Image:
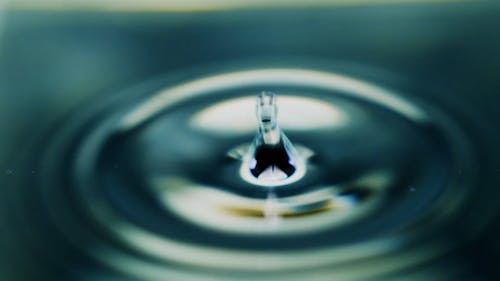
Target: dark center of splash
column 271, row 162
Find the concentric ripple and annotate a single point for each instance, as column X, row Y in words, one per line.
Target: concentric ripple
column 151, row 185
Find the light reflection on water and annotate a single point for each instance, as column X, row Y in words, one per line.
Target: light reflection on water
column 144, row 184
column 192, row 208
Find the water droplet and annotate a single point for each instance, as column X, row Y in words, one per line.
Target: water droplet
column 271, row 160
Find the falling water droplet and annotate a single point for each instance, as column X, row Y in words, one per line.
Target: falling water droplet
column 271, row 159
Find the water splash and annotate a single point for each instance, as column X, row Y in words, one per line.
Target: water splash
column 271, row 160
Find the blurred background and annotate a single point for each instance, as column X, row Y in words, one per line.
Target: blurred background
column 59, row 57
